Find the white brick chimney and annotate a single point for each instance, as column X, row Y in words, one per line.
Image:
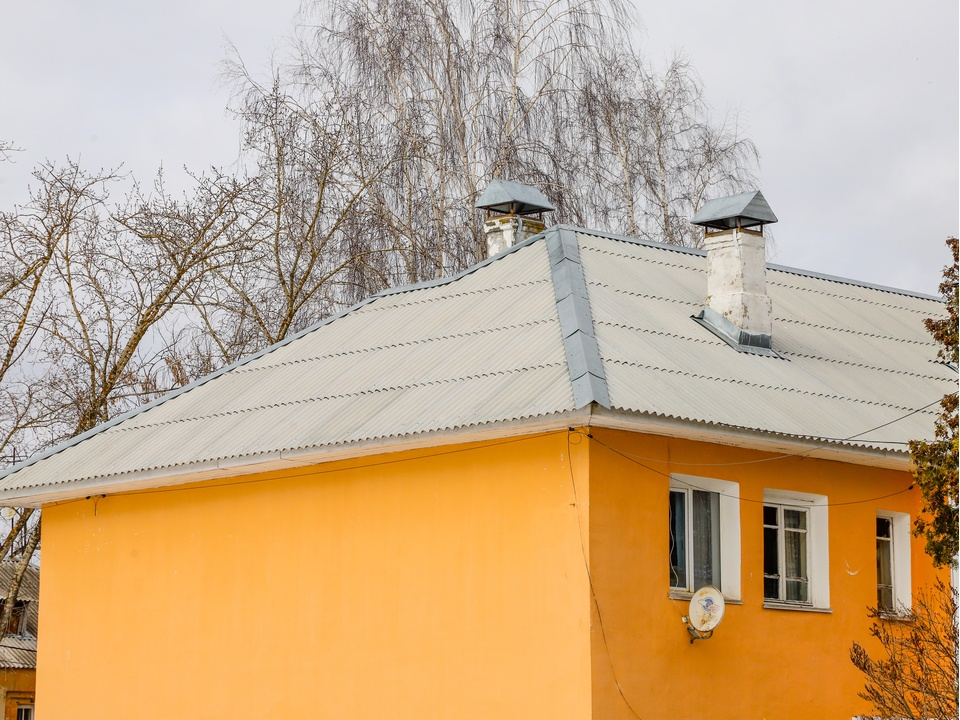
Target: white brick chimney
column 737, row 305
column 737, row 279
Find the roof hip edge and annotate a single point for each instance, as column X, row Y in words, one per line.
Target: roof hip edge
column 587, row 377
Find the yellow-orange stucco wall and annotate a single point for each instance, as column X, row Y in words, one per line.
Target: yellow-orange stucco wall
column 445, row 585
column 761, row 663
column 448, row 583
column 17, row 689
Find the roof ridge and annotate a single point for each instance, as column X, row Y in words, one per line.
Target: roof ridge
column 587, row 377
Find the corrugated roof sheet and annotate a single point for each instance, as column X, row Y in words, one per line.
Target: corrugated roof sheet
column 852, row 358
column 20, row 651
column 515, row 339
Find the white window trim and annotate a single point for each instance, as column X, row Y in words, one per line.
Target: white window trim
column 818, row 545
column 902, row 577
column 729, row 527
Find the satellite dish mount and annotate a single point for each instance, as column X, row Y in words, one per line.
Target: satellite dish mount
column 706, row 612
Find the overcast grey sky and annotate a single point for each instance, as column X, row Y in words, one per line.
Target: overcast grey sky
column 853, row 105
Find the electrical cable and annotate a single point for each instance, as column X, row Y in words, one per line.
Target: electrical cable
column 593, row 592
column 802, row 454
column 734, row 497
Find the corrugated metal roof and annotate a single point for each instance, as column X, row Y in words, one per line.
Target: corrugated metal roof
column 852, row 358
column 20, row 651
column 566, row 319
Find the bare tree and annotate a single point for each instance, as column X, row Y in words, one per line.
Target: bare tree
column 548, row 92
column 32, row 236
column 652, row 153
column 7, row 148
column 307, row 170
column 93, row 299
column 461, row 94
column 116, row 279
column 915, row 675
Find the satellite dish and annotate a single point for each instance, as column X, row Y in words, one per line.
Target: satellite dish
column 706, row 612
column 7, row 513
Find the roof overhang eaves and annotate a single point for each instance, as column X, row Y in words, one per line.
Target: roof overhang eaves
column 236, row 467
column 591, row 416
column 762, row 441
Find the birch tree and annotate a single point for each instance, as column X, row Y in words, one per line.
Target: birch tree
column 553, row 93
column 306, row 170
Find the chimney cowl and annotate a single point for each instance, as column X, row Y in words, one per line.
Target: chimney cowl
column 745, row 210
column 737, row 306
column 510, row 210
column 503, row 197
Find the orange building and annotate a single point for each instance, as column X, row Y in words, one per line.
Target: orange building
column 493, row 496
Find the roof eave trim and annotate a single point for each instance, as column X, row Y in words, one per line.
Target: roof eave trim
column 290, row 459
column 751, row 439
column 592, row 415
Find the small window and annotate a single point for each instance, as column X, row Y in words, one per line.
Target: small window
column 885, row 600
column 786, row 554
column 704, row 535
column 694, row 539
column 893, row 563
column 18, row 618
column 25, row 712
column 796, row 557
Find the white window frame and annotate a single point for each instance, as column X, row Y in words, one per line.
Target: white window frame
column 782, row 533
column 818, row 546
column 729, row 493
column 902, row 574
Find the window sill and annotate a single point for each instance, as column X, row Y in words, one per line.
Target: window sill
column 773, row 605
column 684, row 595
column 891, row 616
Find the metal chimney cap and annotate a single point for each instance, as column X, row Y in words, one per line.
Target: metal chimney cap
column 744, row 210
column 510, row 197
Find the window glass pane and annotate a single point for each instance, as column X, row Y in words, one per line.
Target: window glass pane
column 883, row 527
column 771, row 563
column 678, row 555
column 770, row 515
column 771, row 588
column 706, row 538
column 795, row 554
column 797, row 590
column 885, row 598
column 771, row 552
column 884, row 563
column 795, row 518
